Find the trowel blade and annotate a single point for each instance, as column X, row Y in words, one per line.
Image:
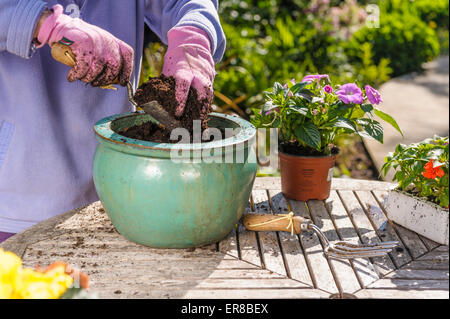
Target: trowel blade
column 160, row 114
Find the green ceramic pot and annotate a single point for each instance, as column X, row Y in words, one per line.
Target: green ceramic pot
column 157, row 201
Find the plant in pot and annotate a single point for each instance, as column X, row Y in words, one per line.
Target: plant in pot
column 420, row 200
column 164, row 192
column 310, row 116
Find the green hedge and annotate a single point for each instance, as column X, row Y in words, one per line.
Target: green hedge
column 277, row 40
column 404, row 39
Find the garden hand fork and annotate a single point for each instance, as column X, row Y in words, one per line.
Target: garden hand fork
column 297, row 224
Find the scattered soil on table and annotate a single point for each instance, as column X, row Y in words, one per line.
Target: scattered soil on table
column 162, row 90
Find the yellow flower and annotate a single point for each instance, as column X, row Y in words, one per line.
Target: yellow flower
column 9, row 266
column 17, row 282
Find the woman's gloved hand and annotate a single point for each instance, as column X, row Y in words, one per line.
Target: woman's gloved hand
column 100, row 57
column 188, row 59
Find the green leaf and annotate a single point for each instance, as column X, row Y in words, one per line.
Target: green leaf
column 309, row 134
column 342, row 122
column 372, row 128
column 269, row 106
column 277, row 88
column 367, row 107
column 298, row 87
column 388, row 118
column 443, row 200
column 303, row 110
column 268, row 95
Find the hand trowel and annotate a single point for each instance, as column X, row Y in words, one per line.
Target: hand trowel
column 62, row 53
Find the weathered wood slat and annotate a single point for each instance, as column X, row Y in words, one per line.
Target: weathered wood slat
column 257, row 294
column 317, row 262
column 411, row 240
column 402, row 294
column 410, row 284
column 229, row 244
column 293, row 253
column 362, row 266
column 343, row 269
column 385, row 230
column 247, row 243
column 426, row 265
column 367, row 234
column 337, row 183
column 270, row 248
column 436, row 256
column 430, row 244
column 250, row 283
column 419, row 274
column 119, row 268
column 108, row 292
column 441, row 248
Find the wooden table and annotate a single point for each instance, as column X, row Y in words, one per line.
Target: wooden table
column 248, row 264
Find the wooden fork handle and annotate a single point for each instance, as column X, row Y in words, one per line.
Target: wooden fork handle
column 267, row 222
column 63, row 53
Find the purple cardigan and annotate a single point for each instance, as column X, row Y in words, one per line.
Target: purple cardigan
column 47, row 142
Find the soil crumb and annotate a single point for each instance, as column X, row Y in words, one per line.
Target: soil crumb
column 162, row 90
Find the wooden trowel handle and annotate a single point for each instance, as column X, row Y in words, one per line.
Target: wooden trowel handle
column 267, row 222
column 63, row 53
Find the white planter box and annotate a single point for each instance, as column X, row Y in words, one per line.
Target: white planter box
column 419, row 215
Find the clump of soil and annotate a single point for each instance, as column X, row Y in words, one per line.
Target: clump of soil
column 162, row 90
column 148, row 131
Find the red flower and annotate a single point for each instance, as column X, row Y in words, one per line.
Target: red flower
column 432, row 172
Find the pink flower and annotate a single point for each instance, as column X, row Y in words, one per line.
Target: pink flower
column 350, row 93
column 373, row 95
column 328, row 89
column 318, row 77
column 315, row 112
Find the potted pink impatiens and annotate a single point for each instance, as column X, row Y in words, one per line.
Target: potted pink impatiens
column 420, row 200
column 310, row 116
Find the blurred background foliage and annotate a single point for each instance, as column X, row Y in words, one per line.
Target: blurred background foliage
column 367, row 41
column 277, row 40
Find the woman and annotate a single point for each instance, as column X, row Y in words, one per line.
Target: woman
column 46, row 139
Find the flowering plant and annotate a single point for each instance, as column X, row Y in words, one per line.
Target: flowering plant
column 313, row 113
column 422, row 169
column 55, row 281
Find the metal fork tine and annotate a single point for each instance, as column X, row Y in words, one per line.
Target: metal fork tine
column 360, row 251
column 385, row 244
column 356, row 255
column 352, row 247
column 348, row 250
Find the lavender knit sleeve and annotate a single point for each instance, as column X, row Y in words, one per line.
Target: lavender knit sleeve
column 162, row 15
column 18, row 19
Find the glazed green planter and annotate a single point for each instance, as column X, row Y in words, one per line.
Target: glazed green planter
column 158, row 200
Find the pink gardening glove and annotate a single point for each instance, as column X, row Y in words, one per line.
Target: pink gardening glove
column 188, row 59
column 100, row 57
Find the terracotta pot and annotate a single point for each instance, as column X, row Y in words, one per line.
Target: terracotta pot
column 306, row 177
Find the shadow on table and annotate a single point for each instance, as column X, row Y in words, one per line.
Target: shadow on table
column 117, row 267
